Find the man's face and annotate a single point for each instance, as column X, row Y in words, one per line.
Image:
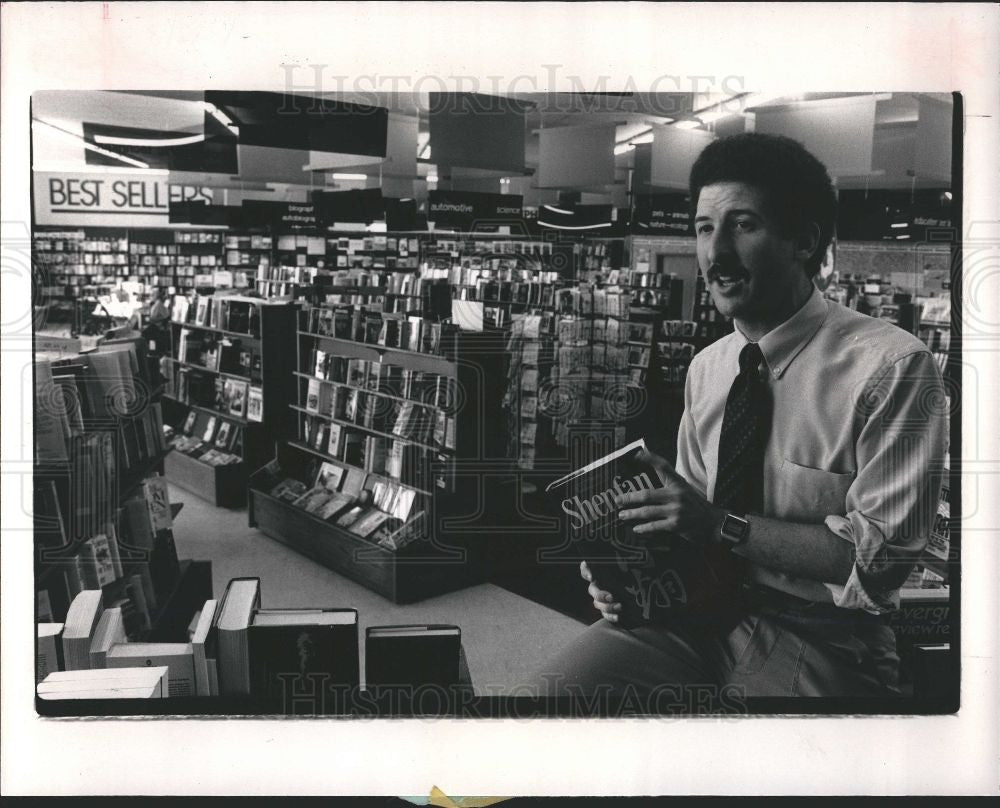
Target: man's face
column 749, row 265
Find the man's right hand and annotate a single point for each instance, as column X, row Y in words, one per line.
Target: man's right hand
column 603, row 601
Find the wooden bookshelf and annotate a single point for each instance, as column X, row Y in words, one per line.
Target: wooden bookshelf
column 416, row 360
column 112, row 454
column 427, row 566
column 268, row 348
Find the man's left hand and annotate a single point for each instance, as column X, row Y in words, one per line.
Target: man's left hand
column 676, row 508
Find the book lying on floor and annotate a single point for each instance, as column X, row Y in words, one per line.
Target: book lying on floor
column 412, row 656
column 652, row 578
column 296, row 652
column 105, row 683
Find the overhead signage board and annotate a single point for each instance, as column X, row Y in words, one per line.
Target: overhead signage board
column 98, row 199
column 467, row 209
column 280, row 216
column 661, row 215
column 360, row 206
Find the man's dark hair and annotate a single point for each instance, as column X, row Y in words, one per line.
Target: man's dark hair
column 796, row 186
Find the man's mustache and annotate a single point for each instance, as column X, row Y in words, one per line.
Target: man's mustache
column 717, row 270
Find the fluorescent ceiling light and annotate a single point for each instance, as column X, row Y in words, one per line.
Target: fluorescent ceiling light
column 687, row 125
column 899, row 224
column 558, row 210
column 220, row 116
column 88, row 145
column 111, row 140
column 71, row 167
column 765, row 99
column 579, row 226
column 423, row 145
column 358, row 177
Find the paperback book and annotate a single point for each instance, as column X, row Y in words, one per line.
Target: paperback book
column 653, row 580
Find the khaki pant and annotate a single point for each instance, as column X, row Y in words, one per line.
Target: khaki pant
column 777, row 646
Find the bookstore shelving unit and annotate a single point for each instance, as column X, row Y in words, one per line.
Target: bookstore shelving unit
column 172, row 258
column 102, row 515
column 246, row 254
column 509, row 276
column 229, row 384
column 403, row 420
column 601, row 255
column 582, row 365
column 711, row 324
column 394, row 252
column 76, row 267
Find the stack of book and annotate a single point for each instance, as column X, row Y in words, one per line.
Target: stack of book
column 94, row 639
column 105, row 683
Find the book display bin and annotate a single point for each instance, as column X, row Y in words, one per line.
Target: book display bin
column 448, row 554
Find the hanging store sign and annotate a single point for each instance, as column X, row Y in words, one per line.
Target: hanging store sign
column 203, row 214
column 282, row 217
column 466, row 210
column 84, row 199
column 661, row 214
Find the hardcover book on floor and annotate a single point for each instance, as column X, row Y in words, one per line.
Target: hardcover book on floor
column 304, row 659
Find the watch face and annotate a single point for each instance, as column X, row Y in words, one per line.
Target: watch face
column 735, row 528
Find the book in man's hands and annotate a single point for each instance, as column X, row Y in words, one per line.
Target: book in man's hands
column 653, row 578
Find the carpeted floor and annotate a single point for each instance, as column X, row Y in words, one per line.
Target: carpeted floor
column 506, row 637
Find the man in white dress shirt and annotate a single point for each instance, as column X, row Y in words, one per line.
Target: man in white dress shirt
column 825, row 427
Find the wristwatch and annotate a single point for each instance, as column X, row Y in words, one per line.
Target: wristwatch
column 734, row 530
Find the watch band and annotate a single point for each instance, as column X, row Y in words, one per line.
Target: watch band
column 734, row 530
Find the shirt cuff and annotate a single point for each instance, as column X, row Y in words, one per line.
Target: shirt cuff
column 869, row 543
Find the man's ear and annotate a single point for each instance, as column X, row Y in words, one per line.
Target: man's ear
column 807, row 241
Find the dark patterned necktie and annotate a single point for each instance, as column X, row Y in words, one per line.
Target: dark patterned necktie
column 739, row 483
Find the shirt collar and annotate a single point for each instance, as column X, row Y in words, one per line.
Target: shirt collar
column 781, row 345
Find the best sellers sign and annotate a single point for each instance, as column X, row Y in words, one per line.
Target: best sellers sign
column 84, row 199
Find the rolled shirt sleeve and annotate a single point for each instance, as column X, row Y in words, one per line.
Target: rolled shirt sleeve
column 892, row 502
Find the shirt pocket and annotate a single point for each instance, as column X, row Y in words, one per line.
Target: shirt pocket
column 809, row 494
